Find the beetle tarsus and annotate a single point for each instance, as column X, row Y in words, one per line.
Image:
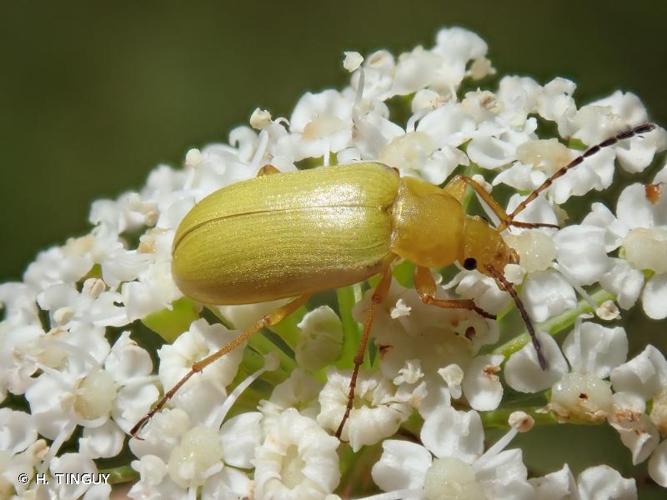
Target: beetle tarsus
column 484, row 314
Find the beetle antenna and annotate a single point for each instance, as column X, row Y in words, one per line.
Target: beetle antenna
column 507, row 287
column 627, row 134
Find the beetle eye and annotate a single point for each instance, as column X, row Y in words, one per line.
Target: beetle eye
column 470, row 263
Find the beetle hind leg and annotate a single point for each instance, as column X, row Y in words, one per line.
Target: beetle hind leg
column 268, row 320
column 377, row 298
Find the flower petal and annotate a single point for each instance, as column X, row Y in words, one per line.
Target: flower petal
column 546, row 294
column 582, row 254
column 523, row 372
column 403, row 465
column 239, row 436
column 592, row 348
column 481, row 385
column 603, row 482
column 654, row 297
column 657, row 466
column 624, row 281
column 451, row 433
column 644, row 375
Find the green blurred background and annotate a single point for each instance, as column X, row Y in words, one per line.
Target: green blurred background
column 95, row 94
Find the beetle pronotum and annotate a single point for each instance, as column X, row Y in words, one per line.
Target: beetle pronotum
column 303, row 232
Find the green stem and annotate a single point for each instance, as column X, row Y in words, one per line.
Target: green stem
column 347, row 298
column 253, row 361
column 556, row 324
column 498, row 418
column 263, row 345
column 121, row 474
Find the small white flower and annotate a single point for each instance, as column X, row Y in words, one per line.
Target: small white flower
column 523, row 372
column 17, row 301
column 299, row 391
column 320, row 124
column 594, row 483
column 68, row 307
column 102, row 442
column 321, row 339
column 453, row 377
column 581, row 253
column 400, row 309
column 20, row 450
column 483, row 290
column 411, row 373
column 657, row 465
column 297, row 459
column 377, row 412
column 154, row 482
column 437, row 337
column 260, row 118
column 409, row 471
column 546, row 294
column 66, row 264
column 199, row 455
column 76, row 463
column 642, row 378
column 78, row 392
column 20, row 347
column 644, row 375
column 131, row 368
column 352, row 61
column 204, row 391
column 535, row 248
column 597, row 483
column 161, row 434
column 481, row 384
column 581, row 397
column 640, row 231
column 452, row 433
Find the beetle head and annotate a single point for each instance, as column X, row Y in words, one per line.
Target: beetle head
column 484, row 247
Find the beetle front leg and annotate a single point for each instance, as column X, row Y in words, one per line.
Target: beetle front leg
column 505, row 220
column 266, row 321
column 425, row 286
column 377, row 298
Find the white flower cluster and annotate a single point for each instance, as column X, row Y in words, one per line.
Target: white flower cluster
column 70, row 354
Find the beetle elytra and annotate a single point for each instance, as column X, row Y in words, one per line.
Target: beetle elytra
column 293, row 234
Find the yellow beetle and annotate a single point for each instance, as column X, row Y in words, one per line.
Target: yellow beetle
column 292, row 234
column 298, row 233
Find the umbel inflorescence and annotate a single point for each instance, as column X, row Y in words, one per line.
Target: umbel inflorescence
column 79, row 366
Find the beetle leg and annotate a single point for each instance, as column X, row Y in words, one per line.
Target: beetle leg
column 505, row 220
column 266, row 321
column 456, row 188
column 425, row 286
column 377, row 298
column 267, row 169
